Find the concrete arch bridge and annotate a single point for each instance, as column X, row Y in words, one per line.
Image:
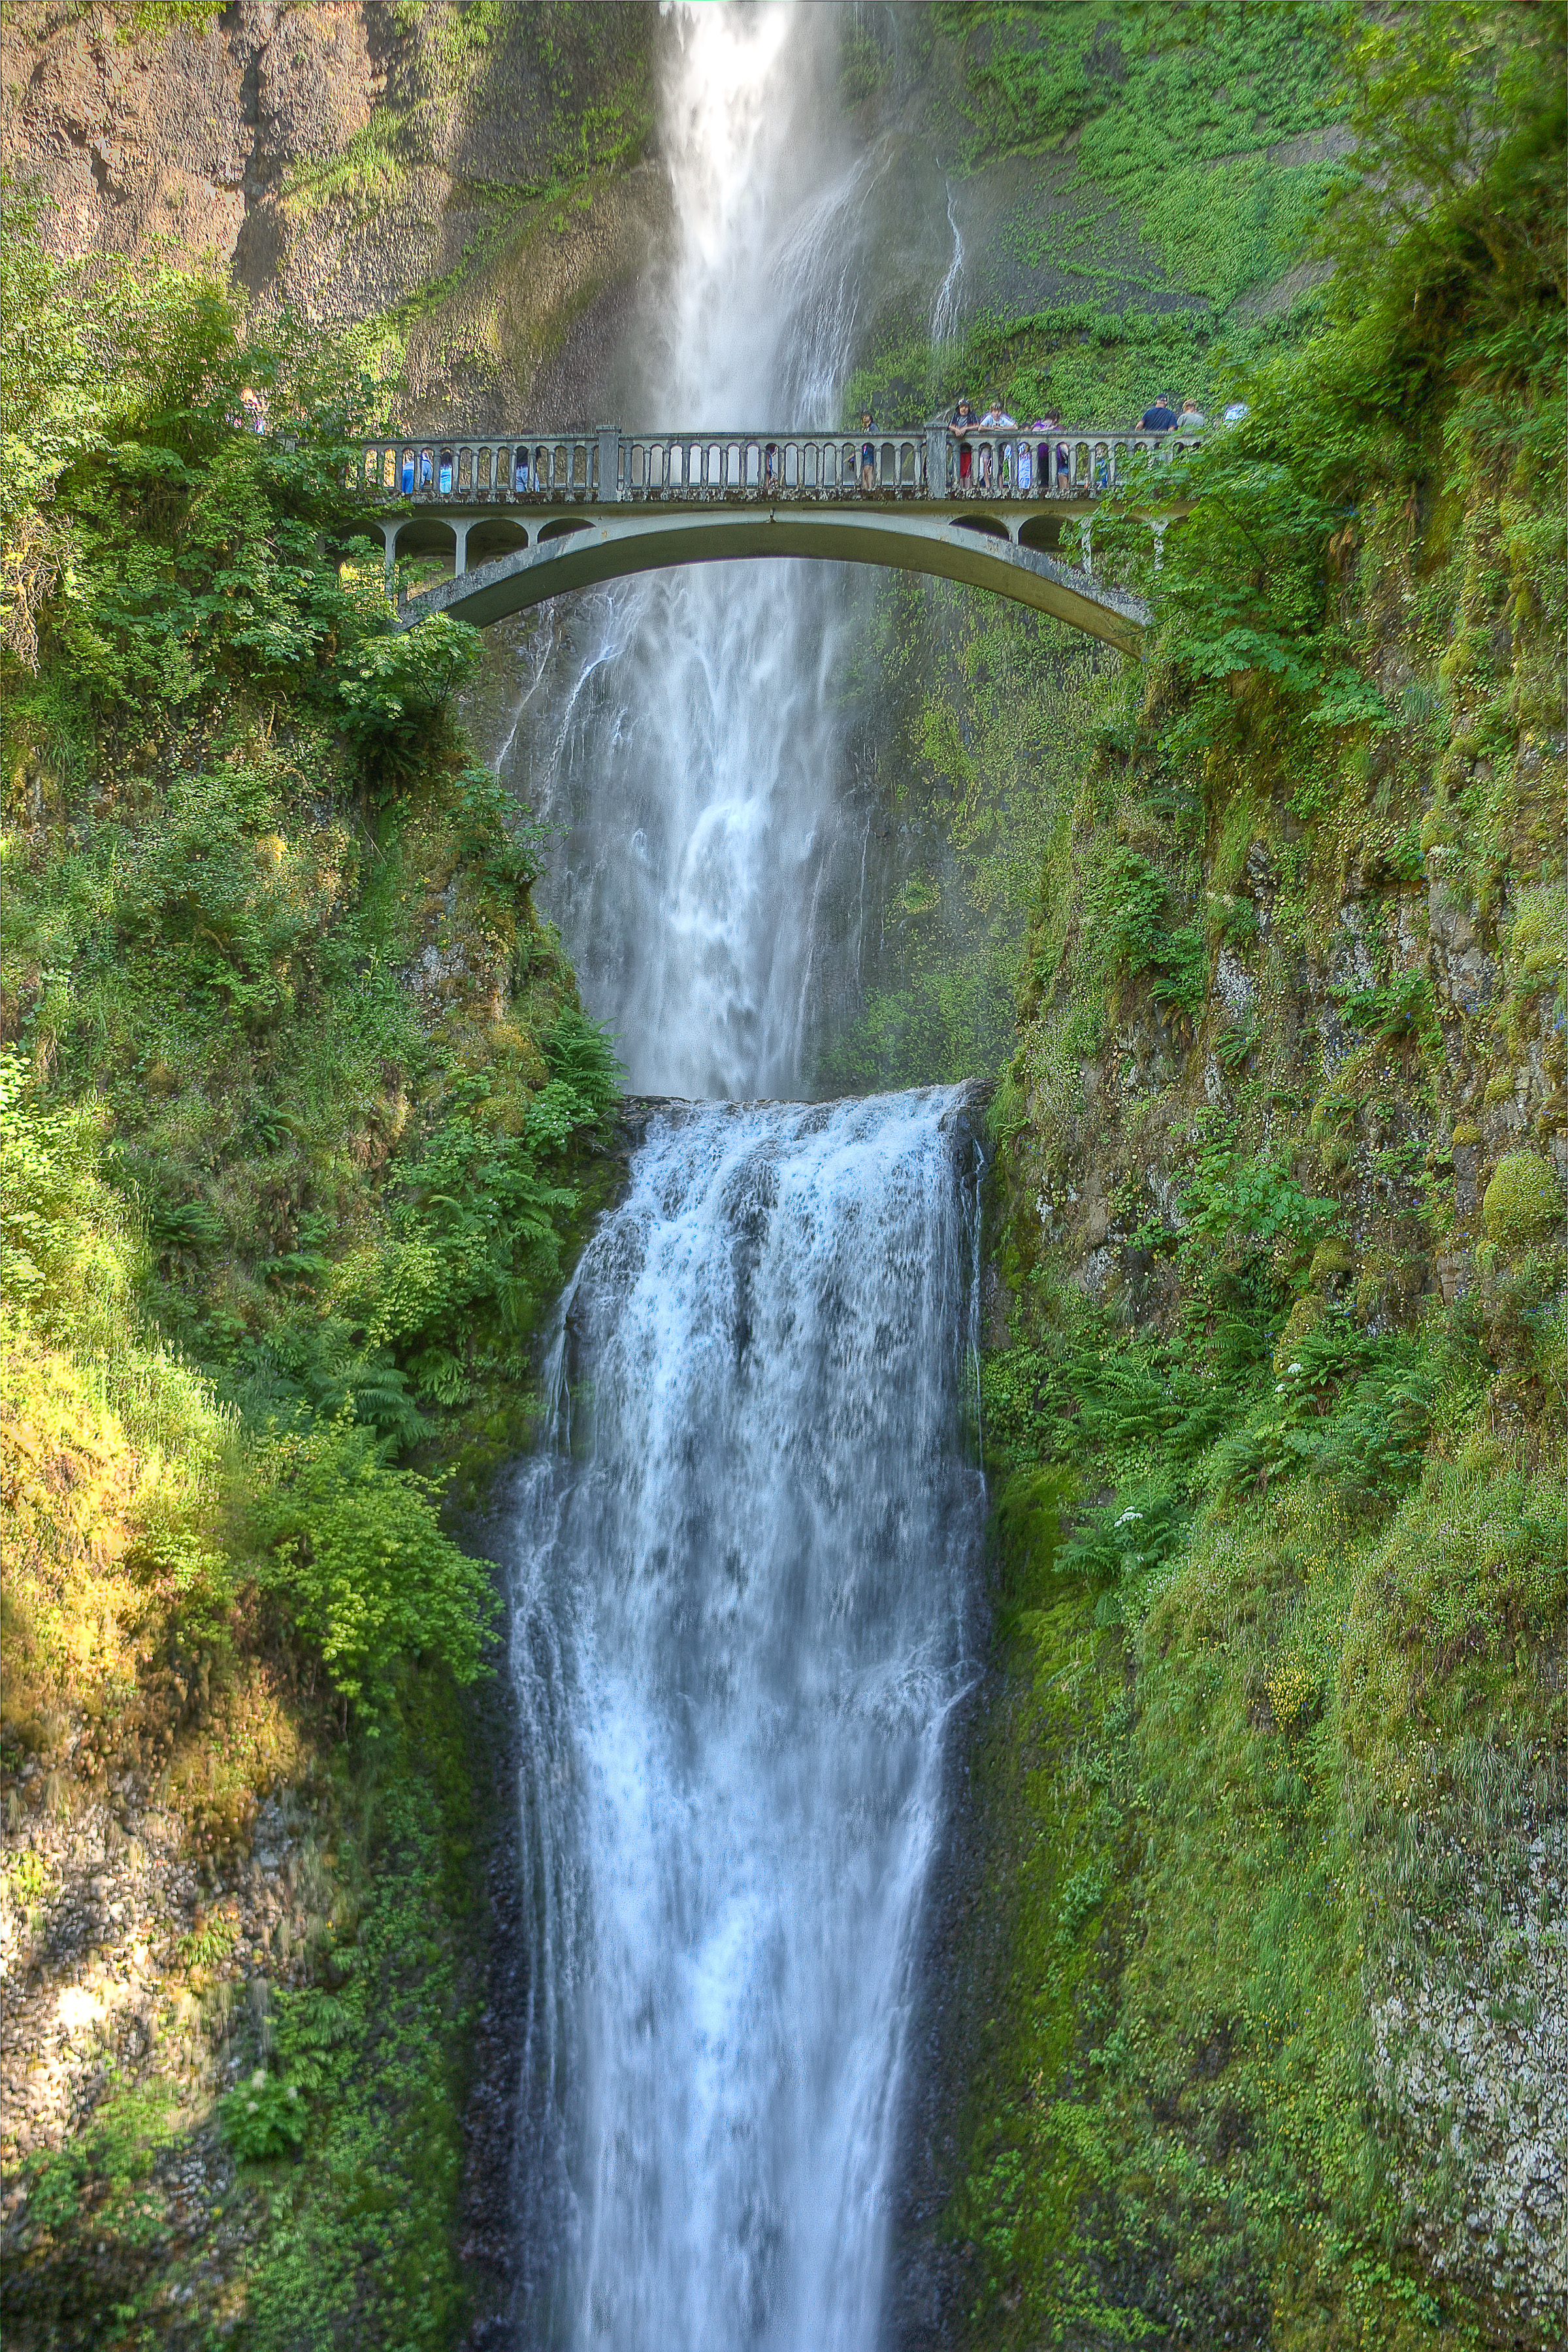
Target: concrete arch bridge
column 521, row 519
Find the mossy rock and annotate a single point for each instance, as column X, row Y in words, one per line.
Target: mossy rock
column 1466, row 1131
column 1523, row 1201
column 1310, row 1313
column 1331, row 1260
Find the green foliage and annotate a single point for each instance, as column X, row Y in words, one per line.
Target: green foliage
column 371, row 1579
column 278, row 1197
column 494, row 835
column 69, row 1252
column 360, row 2233
column 262, row 2118
column 1457, row 261
column 480, row 1231
column 1029, row 1530
column 1125, row 901
column 584, row 1075
column 1317, row 1515
column 1177, row 113
column 1123, row 1539
column 1236, row 1211
column 1402, row 1007
column 107, row 2167
column 208, row 1944
column 862, row 67
column 392, row 688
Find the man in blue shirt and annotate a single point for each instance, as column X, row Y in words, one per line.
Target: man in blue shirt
column 1162, row 416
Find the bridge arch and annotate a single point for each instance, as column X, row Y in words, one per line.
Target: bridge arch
column 573, row 551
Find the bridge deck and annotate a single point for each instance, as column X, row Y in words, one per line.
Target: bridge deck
column 525, row 519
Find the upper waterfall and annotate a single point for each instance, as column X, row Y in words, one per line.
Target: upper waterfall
column 692, row 763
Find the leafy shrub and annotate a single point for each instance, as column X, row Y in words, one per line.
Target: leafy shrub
column 391, row 686
column 494, row 835
column 358, row 1549
column 580, row 1053
column 262, row 2118
column 1523, row 1201
column 1401, row 1007
column 1125, row 901
column 1182, row 970
column 1247, row 1229
column 69, row 1252
column 1538, row 938
column 1082, row 1895
column 486, row 1225
column 1130, row 1536
column 1347, row 1410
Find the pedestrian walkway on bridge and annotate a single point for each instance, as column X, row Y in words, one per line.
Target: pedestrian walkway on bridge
column 522, row 518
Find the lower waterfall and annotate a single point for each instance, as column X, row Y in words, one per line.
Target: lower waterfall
column 742, row 1577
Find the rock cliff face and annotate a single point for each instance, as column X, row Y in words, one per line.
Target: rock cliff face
column 348, row 160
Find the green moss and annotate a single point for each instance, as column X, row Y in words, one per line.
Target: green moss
column 1332, row 1261
column 1523, row 1201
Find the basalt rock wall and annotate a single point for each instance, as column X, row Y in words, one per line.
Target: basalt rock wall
column 348, row 160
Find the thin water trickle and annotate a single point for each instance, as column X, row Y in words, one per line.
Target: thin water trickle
column 741, row 1595
column 944, row 310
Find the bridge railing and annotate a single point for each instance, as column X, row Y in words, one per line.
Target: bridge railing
column 611, row 467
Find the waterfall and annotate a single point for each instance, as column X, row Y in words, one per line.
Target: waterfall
column 691, row 766
column 741, row 1583
column 743, row 1562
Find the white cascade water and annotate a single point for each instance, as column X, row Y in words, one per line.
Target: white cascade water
column 691, row 769
column 741, row 1584
column 743, row 1562
column 944, row 310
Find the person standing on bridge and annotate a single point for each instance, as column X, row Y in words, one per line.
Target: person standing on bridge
column 1058, row 484
column 1161, row 416
column 1190, row 419
column 1007, row 456
column 962, row 421
column 867, row 455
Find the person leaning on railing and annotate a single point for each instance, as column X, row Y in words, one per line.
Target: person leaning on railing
column 962, row 421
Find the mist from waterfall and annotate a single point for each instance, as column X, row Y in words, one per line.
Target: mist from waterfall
column 741, row 1582
column 691, row 759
